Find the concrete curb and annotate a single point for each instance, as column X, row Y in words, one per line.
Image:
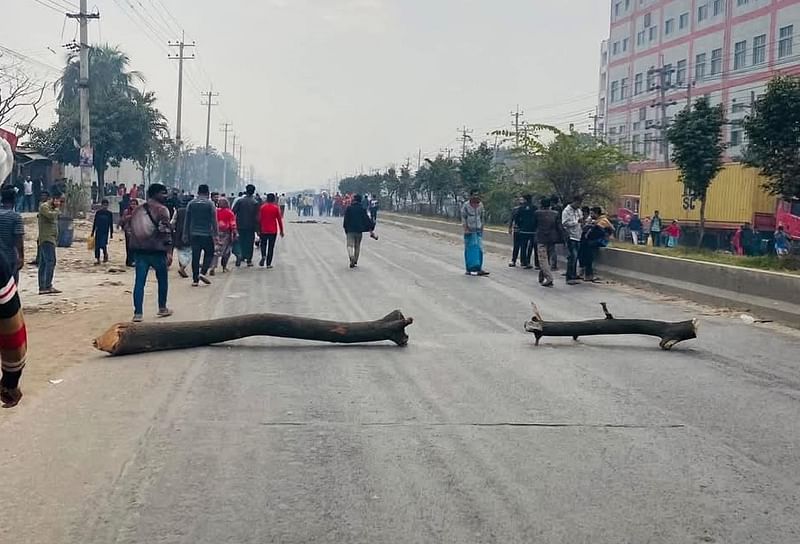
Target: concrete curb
column 737, row 288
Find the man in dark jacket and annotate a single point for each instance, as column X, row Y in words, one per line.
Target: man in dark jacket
column 524, row 221
column 547, row 236
column 151, row 243
column 247, row 210
column 200, row 230
column 356, row 223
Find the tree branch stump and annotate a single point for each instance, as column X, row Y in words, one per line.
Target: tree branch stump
column 670, row 333
column 132, row 338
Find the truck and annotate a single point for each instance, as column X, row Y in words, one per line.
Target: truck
column 736, row 197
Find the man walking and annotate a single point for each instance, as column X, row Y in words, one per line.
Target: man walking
column 572, row 220
column 102, row 230
column 356, row 223
column 49, row 212
column 151, row 243
column 282, row 203
column 513, row 231
column 247, row 216
column 547, row 236
column 201, row 228
column 12, row 233
column 271, row 224
column 473, row 216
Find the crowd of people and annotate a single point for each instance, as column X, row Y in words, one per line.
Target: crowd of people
column 536, row 231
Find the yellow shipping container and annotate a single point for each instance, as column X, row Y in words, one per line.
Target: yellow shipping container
column 734, row 198
column 628, row 183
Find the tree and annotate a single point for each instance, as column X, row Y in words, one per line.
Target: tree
column 773, row 136
column 125, row 122
column 476, row 168
column 696, row 138
column 20, row 97
column 573, row 164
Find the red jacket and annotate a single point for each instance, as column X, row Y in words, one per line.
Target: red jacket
column 269, row 217
column 226, row 220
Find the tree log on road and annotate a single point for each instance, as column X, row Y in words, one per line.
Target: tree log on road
column 131, row 338
column 670, row 333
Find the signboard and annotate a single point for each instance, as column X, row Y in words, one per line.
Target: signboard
column 10, row 137
column 87, row 157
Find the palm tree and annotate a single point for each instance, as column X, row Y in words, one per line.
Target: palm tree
column 108, row 71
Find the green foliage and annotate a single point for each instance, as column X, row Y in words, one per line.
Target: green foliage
column 773, row 136
column 124, row 121
column 476, row 168
column 696, row 138
column 575, row 164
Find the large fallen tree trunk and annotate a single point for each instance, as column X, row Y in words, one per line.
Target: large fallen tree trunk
column 670, row 333
column 131, row 338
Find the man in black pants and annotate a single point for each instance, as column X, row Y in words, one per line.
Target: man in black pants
column 246, row 209
column 525, row 222
column 200, row 230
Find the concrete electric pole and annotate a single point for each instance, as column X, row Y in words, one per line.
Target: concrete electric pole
column 86, row 152
column 465, row 137
column 517, row 114
column 180, row 57
column 209, row 102
column 226, row 128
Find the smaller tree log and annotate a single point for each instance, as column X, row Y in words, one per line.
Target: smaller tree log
column 132, row 338
column 670, row 333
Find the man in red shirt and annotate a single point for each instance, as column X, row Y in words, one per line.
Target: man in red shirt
column 271, row 223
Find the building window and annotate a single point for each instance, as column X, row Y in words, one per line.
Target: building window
column 627, row 5
column 739, row 55
column 635, row 143
column 702, row 13
column 741, row 2
column 736, row 137
column 638, row 84
column 640, row 37
column 653, row 33
column 700, row 67
column 669, row 26
column 651, row 79
column 614, row 91
column 668, row 75
column 683, row 22
column 625, row 45
column 648, row 145
column 615, row 48
column 623, row 88
column 648, row 19
column 760, row 49
column 719, row 7
column 738, row 107
column 716, row 61
column 642, row 114
column 785, row 42
column 617, row 8
column 680, row 74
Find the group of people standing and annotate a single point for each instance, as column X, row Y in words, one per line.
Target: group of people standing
column 651, row 231
column 536, row 233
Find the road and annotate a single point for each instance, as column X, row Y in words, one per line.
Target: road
column 470, row 434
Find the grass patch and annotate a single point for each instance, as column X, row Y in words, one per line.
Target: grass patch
column 790, row 264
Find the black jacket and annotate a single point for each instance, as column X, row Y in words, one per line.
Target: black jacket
column 356, row 219
column 246, row 210
column 524, row 218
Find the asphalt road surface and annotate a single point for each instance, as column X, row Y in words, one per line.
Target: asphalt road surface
column 470, row 434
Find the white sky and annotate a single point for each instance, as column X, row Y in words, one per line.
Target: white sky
column 320, row 87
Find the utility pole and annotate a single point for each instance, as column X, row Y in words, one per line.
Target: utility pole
column 180, row 57
column 241, row 162
column 465, row 137
column 446, row 151
column 419, row 159
column 664, row 84
column 517, row 114
column 86, row 152
column 226, row 128
column 209, row 102
column 595, row 118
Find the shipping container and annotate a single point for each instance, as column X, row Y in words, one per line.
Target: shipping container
column 735, row 197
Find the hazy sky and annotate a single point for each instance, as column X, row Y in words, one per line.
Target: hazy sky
column 320, row 87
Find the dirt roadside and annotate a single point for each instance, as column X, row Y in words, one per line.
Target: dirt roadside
column 61, row 327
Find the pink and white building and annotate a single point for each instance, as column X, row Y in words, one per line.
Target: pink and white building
column 724, row 49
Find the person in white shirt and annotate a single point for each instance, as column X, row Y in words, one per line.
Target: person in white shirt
column 282, row 203
column 572, row 221
column 28, row 195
